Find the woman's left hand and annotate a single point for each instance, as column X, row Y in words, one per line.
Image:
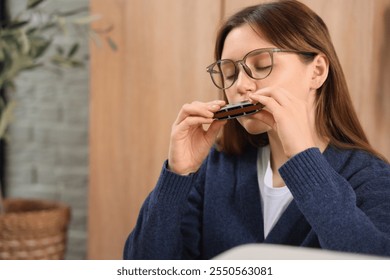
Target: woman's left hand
column 290, row 117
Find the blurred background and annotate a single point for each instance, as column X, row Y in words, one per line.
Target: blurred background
column 96, row 137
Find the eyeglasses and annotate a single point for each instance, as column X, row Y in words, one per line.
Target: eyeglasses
column 257, row 64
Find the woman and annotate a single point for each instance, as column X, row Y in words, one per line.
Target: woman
column 298, row 172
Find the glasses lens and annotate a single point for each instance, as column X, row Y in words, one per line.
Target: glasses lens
column 223, row 73
column 259, row 63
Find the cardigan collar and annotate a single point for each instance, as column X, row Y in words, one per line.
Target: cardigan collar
column 291, row 219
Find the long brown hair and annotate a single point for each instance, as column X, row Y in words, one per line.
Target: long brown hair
column 292, row 25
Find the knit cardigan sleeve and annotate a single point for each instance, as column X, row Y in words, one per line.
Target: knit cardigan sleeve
column 157, row 232
column 347, row 215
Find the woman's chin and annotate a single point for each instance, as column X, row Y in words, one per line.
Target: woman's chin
column 253, row 126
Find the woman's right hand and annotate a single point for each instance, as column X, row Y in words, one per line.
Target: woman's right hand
column 190, row 141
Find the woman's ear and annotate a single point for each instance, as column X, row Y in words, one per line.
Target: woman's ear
column 320, row 71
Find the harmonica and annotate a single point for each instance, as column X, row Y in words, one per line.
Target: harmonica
column 232, row 111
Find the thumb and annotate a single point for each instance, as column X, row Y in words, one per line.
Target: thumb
column 267, row 118
column 214, row 129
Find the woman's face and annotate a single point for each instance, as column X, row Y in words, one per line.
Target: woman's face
column 289, row 73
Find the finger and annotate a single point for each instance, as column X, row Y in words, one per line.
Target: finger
column 213, row 130
column 266, row 117
column 270, row 104
column 193, row 121
column 216, row 126
column 193, row 109
column 197, row 108
column 279, row 94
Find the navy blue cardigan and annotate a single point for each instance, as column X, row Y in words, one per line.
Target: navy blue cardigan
column 341, row 202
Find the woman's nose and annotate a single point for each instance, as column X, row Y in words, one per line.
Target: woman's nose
column 244, row 82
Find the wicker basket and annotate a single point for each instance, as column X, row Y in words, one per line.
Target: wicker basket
column 33, row 229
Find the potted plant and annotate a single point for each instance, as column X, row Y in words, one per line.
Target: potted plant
column 35, row 229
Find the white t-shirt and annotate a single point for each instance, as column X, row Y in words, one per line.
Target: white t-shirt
column 273, row 200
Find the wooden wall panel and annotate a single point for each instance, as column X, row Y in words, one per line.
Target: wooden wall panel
column 380, row 78
column 107, row 206
column 360, row 31
column 164, row 47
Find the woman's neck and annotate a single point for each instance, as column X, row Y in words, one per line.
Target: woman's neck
column 278, row 157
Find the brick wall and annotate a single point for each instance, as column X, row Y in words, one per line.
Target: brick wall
column 48, row 152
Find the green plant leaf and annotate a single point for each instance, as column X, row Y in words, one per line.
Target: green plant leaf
column 39, row 46
column 73, row 12
column 96, row 39
column 32, row 66
column 65, row 62
column 31, row 31
column 60, row 50
column 87, row 19
column 76, row 63
column 112, row 44
column 73, row 50
column 6, row 117
column 33, row 3
column 2, row 57
column 25, row 42
column 6, row 62
column 47, row 26
column 18, row 24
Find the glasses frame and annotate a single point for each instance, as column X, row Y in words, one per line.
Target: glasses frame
column 241, row 62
